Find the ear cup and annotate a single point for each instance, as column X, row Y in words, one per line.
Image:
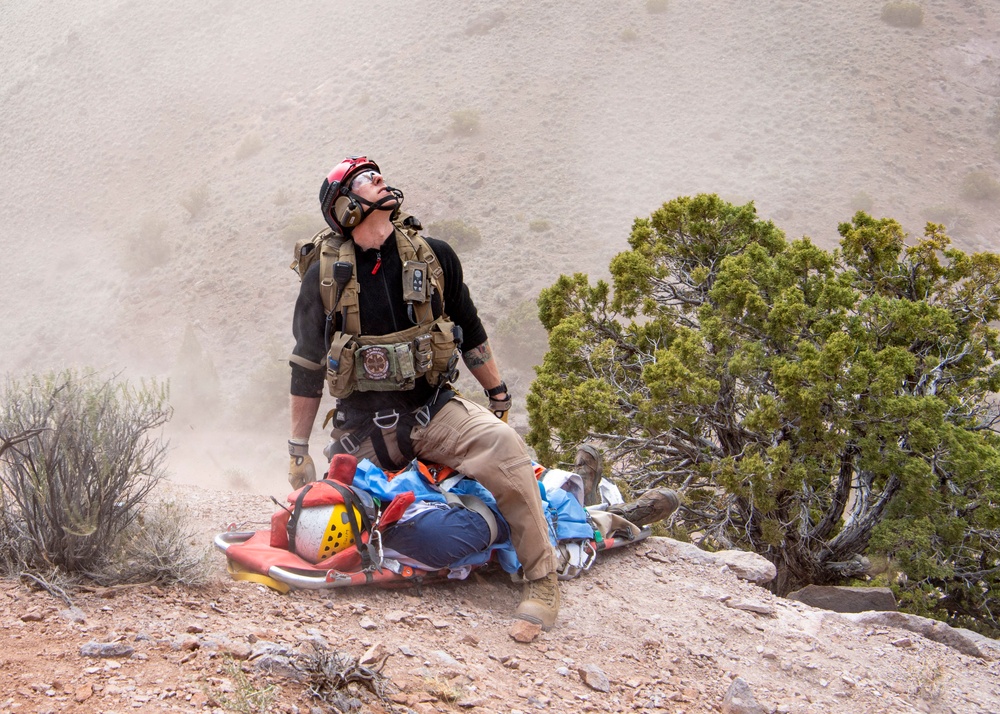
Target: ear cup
column 347, row 211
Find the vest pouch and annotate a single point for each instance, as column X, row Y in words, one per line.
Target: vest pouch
column 384, row 368
column 442, row 351
column 423, row 355
column 340, row 365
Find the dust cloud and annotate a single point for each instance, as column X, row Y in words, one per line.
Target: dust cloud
column 159, row 160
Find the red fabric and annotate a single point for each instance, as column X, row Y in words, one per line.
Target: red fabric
column 342, row 469
column 258, row 555
column 394, row 511
column 319, row 494
column 279, row 528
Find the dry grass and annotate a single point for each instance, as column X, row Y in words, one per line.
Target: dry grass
column 457, row 232
column 980, row 186
column 902, row 13
column 252, row 144
column 465, row 122
column 195, row 200
column 146, row 248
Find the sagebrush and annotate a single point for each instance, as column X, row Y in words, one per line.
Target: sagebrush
column 902, row 13
column 73, row 491
column 458, row 233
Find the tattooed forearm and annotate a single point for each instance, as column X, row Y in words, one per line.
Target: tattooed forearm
column 478, row 356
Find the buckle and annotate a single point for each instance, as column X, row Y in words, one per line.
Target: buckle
column 423, row 415
column 386, row 420
column 350, row 444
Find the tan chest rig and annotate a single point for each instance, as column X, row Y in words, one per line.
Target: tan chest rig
column 393, row 362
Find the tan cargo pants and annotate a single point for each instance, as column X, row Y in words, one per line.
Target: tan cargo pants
column 470, row 439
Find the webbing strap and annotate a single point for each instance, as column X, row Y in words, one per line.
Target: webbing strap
column 351, row 505
column 407, row 421
column 349, row 305
column 476, row 505
column 410, row 245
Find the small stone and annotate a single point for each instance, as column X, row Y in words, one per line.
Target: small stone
column 106, row 649
column 524, row 631
column 236, row 650
column 406, row 651
column 366, row 623
column 373, row 654
column 755, row 607
column 902, row 642
column 446, row 659
column 440, row 624
column 195, row 629
column 83, row 693
column 740, row 700
column 469, row 640
column 595, row 678
column 33, row 615
column 396, row 616
column 73, row 614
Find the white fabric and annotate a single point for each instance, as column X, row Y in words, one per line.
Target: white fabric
column 610, row 495
column 566, row 480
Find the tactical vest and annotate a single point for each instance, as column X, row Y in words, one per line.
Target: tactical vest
column 392, row 362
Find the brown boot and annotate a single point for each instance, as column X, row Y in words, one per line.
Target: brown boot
column 540, row 601
column 589, row 465
column 652, row 506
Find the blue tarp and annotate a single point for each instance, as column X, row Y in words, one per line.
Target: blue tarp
column 566, row 516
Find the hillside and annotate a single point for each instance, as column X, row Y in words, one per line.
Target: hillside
column 159, row 160
column 115, row 115
column 648, row 629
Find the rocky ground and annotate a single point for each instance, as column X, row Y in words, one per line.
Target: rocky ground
column 651, row 628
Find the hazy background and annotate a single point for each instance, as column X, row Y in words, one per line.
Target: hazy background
column 158, row 160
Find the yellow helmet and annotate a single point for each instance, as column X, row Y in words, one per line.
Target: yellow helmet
column 323, row 531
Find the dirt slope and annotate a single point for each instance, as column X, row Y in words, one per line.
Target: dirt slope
column 664, row 634
column 114, row 113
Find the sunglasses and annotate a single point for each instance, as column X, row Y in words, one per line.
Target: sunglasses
column 363, row 178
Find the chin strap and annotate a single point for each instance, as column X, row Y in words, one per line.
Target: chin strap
column 387, row 203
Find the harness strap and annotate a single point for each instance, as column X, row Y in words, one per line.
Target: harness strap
column 293, row 520
column 419, row 417
column 368, row 426
column 476, row 505
column 351, row 504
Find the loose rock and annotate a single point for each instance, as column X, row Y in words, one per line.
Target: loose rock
column 595, row 678
column 740, row 700
column 106, row 649
column 524, row 631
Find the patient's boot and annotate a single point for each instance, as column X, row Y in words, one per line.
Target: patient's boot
column 540, row 601
column 652, row 506
column 590, row 465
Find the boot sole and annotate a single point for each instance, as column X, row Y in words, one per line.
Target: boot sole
column 534, row 621
column 645, row 511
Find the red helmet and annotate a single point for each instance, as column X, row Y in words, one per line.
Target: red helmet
column 342, row 215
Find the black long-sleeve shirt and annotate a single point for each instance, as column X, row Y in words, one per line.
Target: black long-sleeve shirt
column 382, row 311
